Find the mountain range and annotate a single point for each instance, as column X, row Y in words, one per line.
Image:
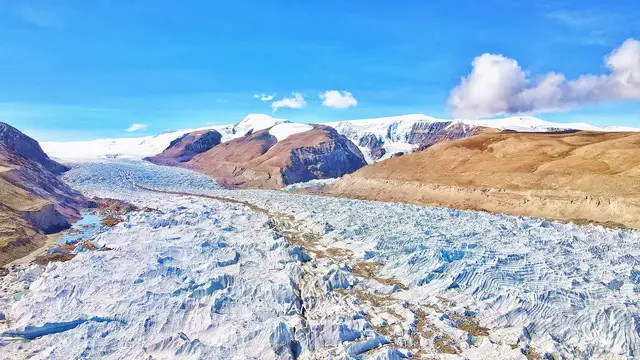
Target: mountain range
column 516, row 165
column 377, row 138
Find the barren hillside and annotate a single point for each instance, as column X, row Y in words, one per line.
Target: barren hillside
column 260, row 160
column 33, row 201
column 579, row 176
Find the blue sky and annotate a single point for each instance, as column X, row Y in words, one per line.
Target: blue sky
column 84, row 69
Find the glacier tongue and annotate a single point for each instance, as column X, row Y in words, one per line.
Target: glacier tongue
column 273, row 275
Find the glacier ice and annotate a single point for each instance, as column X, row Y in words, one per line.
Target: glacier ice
column 319, row 277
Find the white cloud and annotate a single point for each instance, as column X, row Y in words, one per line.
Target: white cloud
column 338, row 99
column 136, row 127
column 295, row 102
column 263, row 97
column 498, row 85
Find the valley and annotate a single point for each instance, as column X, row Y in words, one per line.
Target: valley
column 305, row 180
column 260, row 240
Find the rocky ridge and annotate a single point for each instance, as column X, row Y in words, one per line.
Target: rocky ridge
column 186, row 147
column 259, row 160
column 380, row 139
column 33, row 201
column 28, row 148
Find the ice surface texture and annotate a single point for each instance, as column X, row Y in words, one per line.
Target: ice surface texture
column 188, row 282
column 567, row 288
column 210, row 279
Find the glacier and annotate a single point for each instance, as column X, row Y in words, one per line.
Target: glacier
column 255, row 274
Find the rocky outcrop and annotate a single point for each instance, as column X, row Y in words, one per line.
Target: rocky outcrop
column 229, row 162
column 328, row 159
column 186, row 147
column 26, row 186
column 28, row 148
column 374, row 144
column 580, row 176
column 47, row 219
column 18, row 237
column 389, row 136
column 33, row 201
column 424, row 133
column 258, row 160
column 426, row 136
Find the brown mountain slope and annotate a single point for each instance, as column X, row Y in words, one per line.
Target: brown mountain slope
column 23, row 145
column 581, row 176
column 33, row 201
column 186, row 147
column 258, row 160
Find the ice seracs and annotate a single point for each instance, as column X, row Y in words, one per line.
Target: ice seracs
column 315, row 277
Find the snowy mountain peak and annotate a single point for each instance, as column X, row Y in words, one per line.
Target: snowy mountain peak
column 256, row 122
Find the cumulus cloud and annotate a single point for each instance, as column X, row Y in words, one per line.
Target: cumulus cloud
column 263, row 97
column 295, row 102
column 338, row 99
column 135, row 127
column 498, row 85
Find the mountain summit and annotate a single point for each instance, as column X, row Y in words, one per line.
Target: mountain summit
column 27, row 147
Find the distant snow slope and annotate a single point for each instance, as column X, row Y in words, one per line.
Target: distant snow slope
column 392, row 133
column 124, row 148
column 138, row 148
column 531, row 124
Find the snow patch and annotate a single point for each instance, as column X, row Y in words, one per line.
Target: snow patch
column 283, row 131
column 254, row 122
